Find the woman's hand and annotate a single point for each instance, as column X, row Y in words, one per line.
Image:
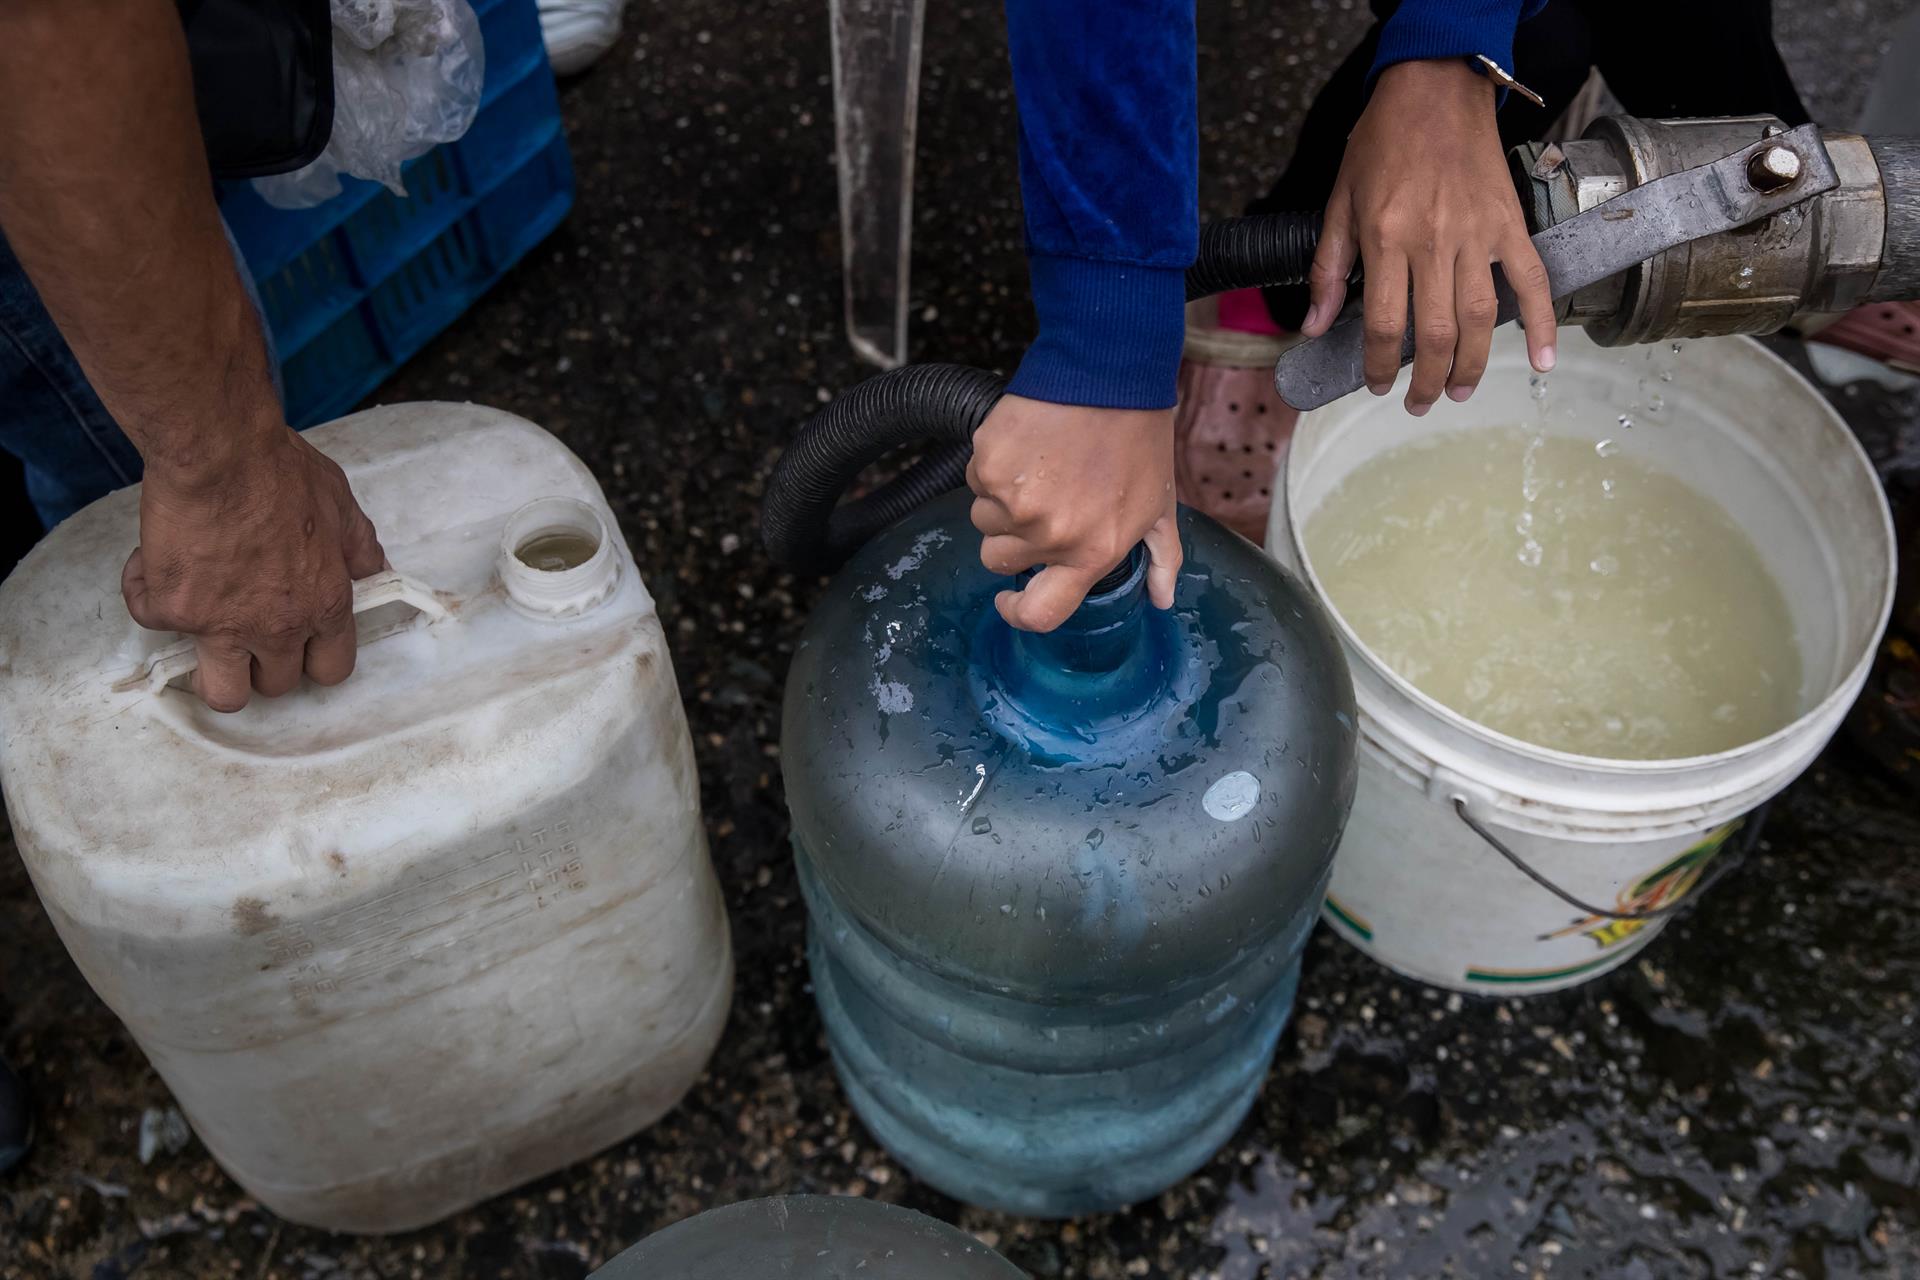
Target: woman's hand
column 1424, row 195
column 1073, row 489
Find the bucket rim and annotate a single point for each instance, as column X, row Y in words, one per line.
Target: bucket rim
column 1845, row 689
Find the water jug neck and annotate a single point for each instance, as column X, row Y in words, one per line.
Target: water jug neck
column 1101, row 668
column 1103, row 632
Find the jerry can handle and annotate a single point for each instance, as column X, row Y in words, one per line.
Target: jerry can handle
column 387, row 587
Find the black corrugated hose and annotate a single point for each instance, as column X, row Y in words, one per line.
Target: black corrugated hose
column 805, row 526
column 1253, row 253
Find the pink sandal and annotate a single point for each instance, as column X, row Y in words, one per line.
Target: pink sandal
column 1887, row 331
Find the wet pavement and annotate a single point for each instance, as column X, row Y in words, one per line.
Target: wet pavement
column 1741, row 1101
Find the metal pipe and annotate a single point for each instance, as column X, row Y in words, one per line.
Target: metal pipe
column 1899, row 276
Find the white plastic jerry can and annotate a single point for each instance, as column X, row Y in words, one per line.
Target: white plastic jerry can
column 401, row 944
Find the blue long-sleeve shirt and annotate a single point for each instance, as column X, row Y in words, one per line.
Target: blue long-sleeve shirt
column 1109, row 174
column 1422, row 29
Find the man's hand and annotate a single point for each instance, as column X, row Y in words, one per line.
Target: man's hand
column 1072, row 489
column 249, row 538
column 258, row 565
column 1424, row 192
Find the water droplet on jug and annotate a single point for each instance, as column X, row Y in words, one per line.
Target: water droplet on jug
column 1530, row 554
column 1607, row 448
column 1095, row 838
column 1625, row 421
column 1675, row 347
column 981, row 826
column 1605, row 566
column 1744, row 279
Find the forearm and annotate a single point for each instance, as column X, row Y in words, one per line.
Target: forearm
column 1109, row 169
column 106, row 199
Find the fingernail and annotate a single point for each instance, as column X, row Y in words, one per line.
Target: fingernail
column 1546, row 359
column 1313, row 317
column 1459, row 394
column 1418, row 410
column 1379, row 388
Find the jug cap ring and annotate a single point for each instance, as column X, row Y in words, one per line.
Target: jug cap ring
column 577, row 580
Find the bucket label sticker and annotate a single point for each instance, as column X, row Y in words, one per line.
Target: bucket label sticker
column 1661, row 887
column 1232, row 797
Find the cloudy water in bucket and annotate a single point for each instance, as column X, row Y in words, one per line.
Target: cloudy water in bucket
column 1562, row 592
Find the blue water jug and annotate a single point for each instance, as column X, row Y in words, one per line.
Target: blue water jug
column 809, row 1238
column 1058, row 884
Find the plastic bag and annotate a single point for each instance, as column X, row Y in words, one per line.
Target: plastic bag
column 407, row 77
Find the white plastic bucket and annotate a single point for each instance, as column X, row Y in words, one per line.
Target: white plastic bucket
column 1414, row 885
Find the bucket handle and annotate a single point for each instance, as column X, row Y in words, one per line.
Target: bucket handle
column 388, row 586
column 1754, row 822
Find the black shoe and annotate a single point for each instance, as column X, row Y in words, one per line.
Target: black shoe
column 19, row 528
column 16, row 1119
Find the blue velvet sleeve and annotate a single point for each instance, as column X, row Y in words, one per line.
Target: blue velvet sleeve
column 1421, row 29
column 1109, row 174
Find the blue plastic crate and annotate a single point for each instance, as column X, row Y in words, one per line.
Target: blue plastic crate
column 354, row 286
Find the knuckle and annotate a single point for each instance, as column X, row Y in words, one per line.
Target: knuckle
column 1051, row 528
column 1382, row 328
column 1479, row 310
column 334, row 604
column 285, row 627
column 359, row 526
column 1532, row 274
column 327, row 677
column 1022, row 506
column 152, row 613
